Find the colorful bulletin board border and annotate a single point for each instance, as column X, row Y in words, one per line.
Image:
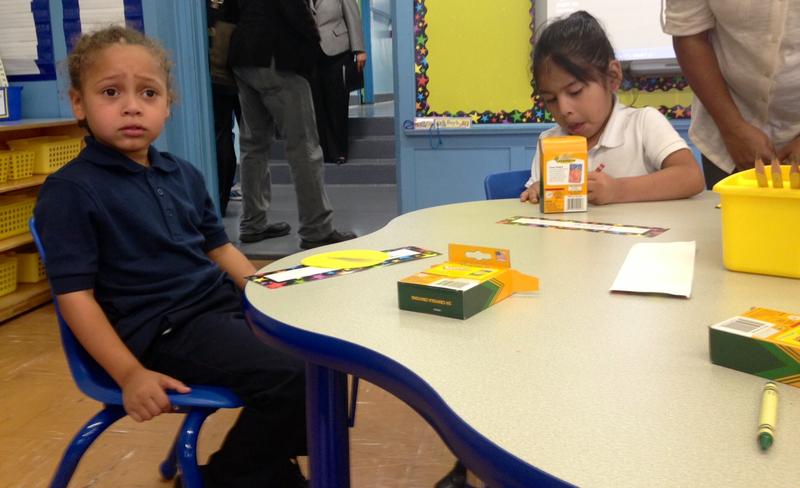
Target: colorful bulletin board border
column 298, row 275
column 45, row 59
column 654, row 88
column 618, row 229
column 134, row 18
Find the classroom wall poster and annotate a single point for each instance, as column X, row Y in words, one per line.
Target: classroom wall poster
column 82, row 16
column 26, row 40
column 481, row 69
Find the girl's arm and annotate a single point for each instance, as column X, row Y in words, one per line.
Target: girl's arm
column 143, row 393
column 679, row 177
column 233, row 262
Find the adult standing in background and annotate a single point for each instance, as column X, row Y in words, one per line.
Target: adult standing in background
column 342, row 43
column 273, row 52
column 742, row 60
column 222, row 17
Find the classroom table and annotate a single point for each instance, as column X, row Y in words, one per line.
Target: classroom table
column 573, row 385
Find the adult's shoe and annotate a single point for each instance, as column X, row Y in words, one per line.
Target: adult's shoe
column 332, row 238
column 273, row 230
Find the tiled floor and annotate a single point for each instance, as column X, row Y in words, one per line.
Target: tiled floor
column 360, row 208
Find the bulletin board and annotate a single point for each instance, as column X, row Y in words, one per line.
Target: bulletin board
column 473, row 59
column 26, row 40
column 87, row 15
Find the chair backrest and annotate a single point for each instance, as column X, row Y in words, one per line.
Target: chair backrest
column 508, row 184
column 90, row 377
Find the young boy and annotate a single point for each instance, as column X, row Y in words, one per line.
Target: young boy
column 144, row 273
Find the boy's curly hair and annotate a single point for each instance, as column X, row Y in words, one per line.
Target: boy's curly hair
column 88, row 45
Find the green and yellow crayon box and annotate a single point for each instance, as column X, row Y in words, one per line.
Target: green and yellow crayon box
column 762, row 342
column 563, row 174
column 473, row 279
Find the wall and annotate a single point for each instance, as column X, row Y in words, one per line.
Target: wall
column 181, row 26
column 448, row 166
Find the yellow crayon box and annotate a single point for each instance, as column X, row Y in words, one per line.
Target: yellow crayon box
column 563, row 171
column 760, row 341
column 473, row 279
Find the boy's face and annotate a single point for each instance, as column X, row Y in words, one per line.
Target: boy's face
column 582, row 109
column 124, row 99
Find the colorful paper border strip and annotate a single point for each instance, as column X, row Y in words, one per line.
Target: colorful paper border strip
column 263, row 280
column 601, row 227
column 537, row 112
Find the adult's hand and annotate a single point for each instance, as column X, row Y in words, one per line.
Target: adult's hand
column 361, row 60
column 745, row 143
column 790, row 151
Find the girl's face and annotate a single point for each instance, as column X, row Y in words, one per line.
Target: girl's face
column 124, row 98
column 581, row 108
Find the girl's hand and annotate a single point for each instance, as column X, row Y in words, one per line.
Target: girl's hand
column 745, row 142
column 603, row 189
column 361, row 60
column 531, row 194
column 143, row 393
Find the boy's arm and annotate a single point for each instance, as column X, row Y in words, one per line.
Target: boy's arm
column 679, row 177
column 233, row 262
column 142, row 389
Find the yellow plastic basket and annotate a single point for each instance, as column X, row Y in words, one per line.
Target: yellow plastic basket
column 20, row 164
column 760, row 226
column 5, row 164
column 8, row 274
column 50, row 152
column 30, row 268
column 15, row 211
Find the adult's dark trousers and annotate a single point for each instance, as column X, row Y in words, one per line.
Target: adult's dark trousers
column 210, row 343
column 225, row 99
column 712, row 173
column 331, row 105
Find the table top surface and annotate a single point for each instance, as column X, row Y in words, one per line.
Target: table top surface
column 593, row 387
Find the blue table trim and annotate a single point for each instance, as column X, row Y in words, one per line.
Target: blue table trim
column 494, row 465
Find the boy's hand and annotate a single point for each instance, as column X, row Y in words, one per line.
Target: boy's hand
column 531, row 194
column 143, row 393
column 603, row 189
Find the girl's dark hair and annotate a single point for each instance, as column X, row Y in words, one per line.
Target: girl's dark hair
column 88, row 45
column 577, row 44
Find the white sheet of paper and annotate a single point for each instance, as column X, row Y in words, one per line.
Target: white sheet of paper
column 658, row 267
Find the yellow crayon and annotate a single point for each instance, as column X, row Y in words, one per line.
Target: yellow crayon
column 768, row 415
column 794, row 175
column 777, row 178
column 761, row 174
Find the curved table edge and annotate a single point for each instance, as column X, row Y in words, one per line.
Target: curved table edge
column 494, row 465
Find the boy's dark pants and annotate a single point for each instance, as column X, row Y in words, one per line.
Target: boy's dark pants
column 211, row 344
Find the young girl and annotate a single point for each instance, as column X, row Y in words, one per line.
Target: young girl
column 144, row 274
column 634, row 154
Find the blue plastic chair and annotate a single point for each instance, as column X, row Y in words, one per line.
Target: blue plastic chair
column 508, row 184
column 93, row 381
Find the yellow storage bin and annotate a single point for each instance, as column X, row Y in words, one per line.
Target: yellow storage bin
column 15, row 211
column 30, row 268
column 5, row 164
column 15, row 165
column 8, row 274
column 760, row 226
column 51, row 152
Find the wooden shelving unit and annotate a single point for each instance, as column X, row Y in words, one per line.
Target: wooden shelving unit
column 28, row 295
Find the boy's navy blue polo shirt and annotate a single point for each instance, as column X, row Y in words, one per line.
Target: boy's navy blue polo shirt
column 138, row 236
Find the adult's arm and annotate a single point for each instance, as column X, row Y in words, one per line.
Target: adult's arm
column 701, row 68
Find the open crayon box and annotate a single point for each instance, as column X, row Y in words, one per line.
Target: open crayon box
column 760, row 226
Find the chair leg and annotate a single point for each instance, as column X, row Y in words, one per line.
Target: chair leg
column 81, row 442
column 169, row 466
column 351, row 412
column 186, row 448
